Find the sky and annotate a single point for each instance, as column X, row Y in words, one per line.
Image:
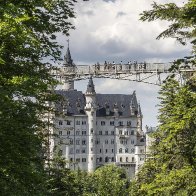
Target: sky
column 111, row 30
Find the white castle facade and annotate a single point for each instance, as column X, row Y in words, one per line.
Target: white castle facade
column 97, row 129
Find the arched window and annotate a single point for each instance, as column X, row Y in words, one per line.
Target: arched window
column 120, row 150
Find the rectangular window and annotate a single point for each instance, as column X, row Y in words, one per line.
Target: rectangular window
column 68, row 122
column 60, row 132
column 111, row 123
column 102, row 123
column 120, row 123
column 112, row 132
column 77, row 151
column 78, row 160
column 83, row 122
column 71, row 142
column 127, row 160
column 77, row 122
column 77, row 142
column 100, row 150
column 112, row 141
column 132, row 141
column 120, row 159
column 77, row 132
column 112, row 150
column 83, row 132
column 83, row 142
column 128, row 123
column 106, row 141
column 120, row 132
column 68, row 132
column 106, row 150
column 106, row 132
column 100, row 132
column 83, row 150
column 83, row 159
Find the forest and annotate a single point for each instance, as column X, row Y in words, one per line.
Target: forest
column 28, row 35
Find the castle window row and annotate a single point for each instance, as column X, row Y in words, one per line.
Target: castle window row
column 127, row 159
column 103, row 123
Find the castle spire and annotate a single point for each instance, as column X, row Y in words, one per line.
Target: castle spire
column 67, row 58
column 90, row 87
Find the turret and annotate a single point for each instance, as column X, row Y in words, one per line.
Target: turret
column 134, row 105
column 90, row 110
column 68, row 67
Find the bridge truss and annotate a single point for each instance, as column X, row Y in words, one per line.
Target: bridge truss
column 150, row 73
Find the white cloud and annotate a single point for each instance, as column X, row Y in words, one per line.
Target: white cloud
column 111, row 30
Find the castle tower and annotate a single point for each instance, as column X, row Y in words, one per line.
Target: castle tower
column 139, row 119
column 68, row 67
column 134, row 105
column 90, row 110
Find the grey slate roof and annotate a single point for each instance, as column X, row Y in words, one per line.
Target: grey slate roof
column 76, row 103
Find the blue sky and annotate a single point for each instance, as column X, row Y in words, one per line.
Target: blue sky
column 111, row 30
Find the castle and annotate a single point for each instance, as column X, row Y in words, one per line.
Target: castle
column 97, row 129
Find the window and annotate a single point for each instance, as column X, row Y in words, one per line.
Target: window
column 106, row 141
column 106, row 150
column 120, row 132
column 91, row 158
column 78, row 160
column 98, row 142
column 77, row 132
column 71, row 142
column 83, row 122
column 120, row 150
column 132, row 159
column 60, row 122
column 91, row 149
column 141, row 151
column 112, row 159
column 60, row 132
column 112, row 141
column 121, row 141
column 68, row 122
column 132, row 150
column 91, row 140
column 77, row 122
column 100, row 150
column 126, row 132
column 132, row 132
column 120, row 159
column 141, row 158
column 106, row 132
column 127, row 160
column 112, row 150
column 142, row 140
column 78, row 142
column 100, row 132
column 71, row 159
column 68, row 132
column 91, row 130
column 106, row 159
column 132, row 141
column 102, row 123
column 126, row 150
column 100, row 159
column 83, row 159
column 120, row 123
column 83, row 142
column 83, row 150
column 111, row 123
column 77, row 151
column 83, row 132
column 112, row 132
column 128, row 123
column 71, row 151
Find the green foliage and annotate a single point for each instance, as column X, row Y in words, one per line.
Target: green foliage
column 27, row 42
column 172, row 170
column 183, row 20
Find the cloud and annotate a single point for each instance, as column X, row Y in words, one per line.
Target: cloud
column 111, row 30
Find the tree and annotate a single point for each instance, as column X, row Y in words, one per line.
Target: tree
column 27, row 47
column 171, row 170
column 182, row 18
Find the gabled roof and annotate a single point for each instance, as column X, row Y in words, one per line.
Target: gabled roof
column 76, row 102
